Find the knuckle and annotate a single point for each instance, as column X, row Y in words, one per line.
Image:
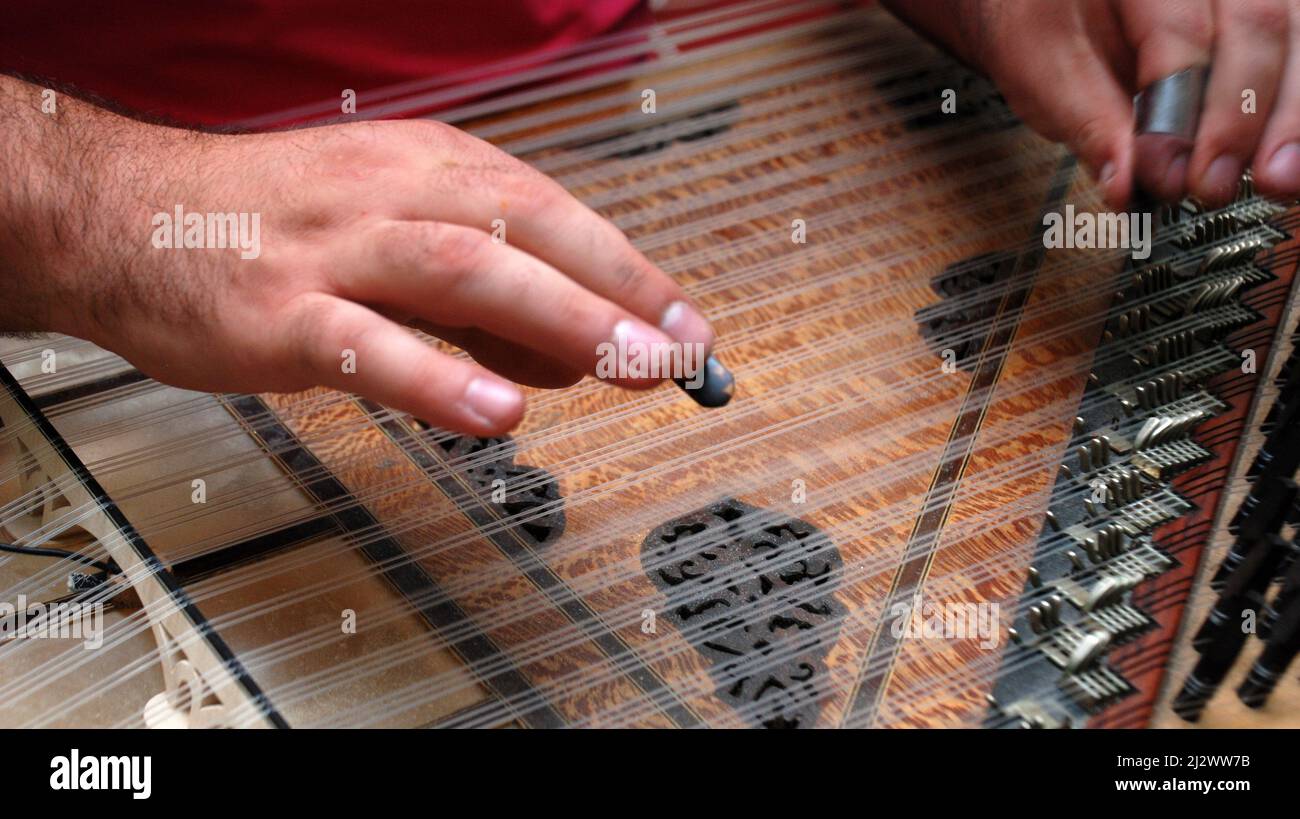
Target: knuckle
column 431, row 132
column 452, row 250
column 1088, row 134
column 310, row 329
column 540, row 195
column 431, row 369
column 1228, row 134
column 1229, row 131
column 1260, row 16
column 527, row 283
column 392, row 244
column 576, row 308
column 642, row 287
column 631, row 278
column 1191, row 27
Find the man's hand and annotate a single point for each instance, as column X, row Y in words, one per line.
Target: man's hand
column 363, row 228
column 1070, row 68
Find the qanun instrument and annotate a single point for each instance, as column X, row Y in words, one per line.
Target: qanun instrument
column 966, row 479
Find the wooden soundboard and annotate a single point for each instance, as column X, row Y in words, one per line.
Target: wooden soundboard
column 906, row 479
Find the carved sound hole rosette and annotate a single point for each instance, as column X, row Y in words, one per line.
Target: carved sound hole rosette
column 745, row 584
column 971, row 291
column 189, row 700
column 485, row 461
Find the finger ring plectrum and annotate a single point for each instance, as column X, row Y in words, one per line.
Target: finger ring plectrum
column 1172, row 105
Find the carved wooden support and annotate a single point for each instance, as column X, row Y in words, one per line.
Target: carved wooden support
column 201, row 690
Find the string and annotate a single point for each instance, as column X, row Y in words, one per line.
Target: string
column 762, row 371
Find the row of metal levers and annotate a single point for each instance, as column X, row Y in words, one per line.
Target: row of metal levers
column 1164, row 355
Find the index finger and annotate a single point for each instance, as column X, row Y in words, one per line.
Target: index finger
column 540, row 217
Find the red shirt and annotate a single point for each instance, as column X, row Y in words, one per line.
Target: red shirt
column 221, row 62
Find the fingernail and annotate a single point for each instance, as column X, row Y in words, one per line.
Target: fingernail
column 640, row 346
column 492, row 402
column 1283, row 169
column 1176, row 178
column 1107, row 174
column 632, row 331
column 1222, row 177
column 687, row 325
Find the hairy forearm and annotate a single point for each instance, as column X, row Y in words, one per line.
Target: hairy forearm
column 74, row 177
column 49, row 167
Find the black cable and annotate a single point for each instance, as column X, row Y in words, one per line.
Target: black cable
column 59, row 553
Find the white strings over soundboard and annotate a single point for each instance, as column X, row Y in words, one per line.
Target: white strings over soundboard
column 813, row 65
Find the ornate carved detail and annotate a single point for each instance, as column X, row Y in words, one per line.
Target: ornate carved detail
column 723, row 569
column 190, row 700
column 484, row 461
column 42, row 504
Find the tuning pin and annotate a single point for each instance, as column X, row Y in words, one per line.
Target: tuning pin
column 1192, row 698
column 1100, row 451
column 1282, row 646
column 1220, row 638
column 1090, row 546
column 1273, row 503
column 1279, row 455
column 1113, row 494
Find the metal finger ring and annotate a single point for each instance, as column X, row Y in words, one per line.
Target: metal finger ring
column 1172, row 105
